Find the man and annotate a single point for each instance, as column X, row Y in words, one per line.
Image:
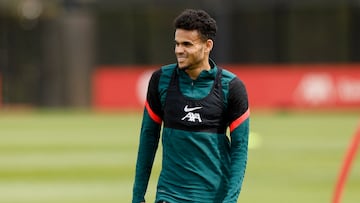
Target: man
column 196, row 102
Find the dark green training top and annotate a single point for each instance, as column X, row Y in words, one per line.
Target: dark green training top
column 200, row 162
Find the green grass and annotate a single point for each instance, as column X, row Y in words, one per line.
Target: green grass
column 82, row 157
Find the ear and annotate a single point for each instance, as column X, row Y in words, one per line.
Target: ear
column 209, row 44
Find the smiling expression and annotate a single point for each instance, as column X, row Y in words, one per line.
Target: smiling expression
column 192, row 51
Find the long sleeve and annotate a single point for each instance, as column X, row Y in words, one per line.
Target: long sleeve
column 149, row 140
column 239, row 133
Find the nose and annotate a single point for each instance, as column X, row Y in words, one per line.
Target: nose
column 178, row 49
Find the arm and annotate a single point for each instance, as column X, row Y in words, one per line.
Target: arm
column 149, row 140
column 239, row 133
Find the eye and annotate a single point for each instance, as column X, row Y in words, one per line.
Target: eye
column 187, row 44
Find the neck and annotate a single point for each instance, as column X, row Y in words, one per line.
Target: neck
column 194, row 72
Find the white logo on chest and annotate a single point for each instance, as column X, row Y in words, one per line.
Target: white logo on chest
column 191, row 116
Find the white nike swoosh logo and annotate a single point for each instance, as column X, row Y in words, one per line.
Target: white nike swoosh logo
column 187, row 109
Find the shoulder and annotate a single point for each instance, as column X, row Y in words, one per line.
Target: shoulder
column 166, row 73
column 161, row 78
column 233, row 88
column 236, row 94
column 230, row 79
column 163, row 72
column 227, row 75
column 168, row 69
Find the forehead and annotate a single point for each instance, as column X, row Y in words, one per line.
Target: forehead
column 186, row 35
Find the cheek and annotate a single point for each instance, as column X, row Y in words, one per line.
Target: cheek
column 198, row 52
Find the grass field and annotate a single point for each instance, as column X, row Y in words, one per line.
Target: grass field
column 82, row 157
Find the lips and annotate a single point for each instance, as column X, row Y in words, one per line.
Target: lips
column 181, row 59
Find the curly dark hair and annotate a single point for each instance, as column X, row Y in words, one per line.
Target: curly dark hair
column 199, row 20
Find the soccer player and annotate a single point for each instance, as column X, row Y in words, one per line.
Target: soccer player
column 195, row 101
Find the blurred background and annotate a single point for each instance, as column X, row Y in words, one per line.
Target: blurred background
column 298, row 59
column 51, row 49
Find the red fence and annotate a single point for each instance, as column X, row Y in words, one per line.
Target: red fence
column 269, row 86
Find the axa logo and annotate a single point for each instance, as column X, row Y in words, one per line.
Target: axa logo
column 191, row 116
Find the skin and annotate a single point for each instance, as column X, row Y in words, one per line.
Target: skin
column 192, row 52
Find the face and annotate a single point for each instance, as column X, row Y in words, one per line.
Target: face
column 191, row 51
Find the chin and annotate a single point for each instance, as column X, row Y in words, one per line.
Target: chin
column 182, row 66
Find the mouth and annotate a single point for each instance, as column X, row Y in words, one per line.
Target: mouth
column 181, row 59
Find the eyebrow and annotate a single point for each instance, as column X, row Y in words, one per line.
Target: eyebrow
column 188, row 41
column 183, row 42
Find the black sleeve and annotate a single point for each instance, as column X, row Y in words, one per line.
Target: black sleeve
column 237, row 99
column 153, row 97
